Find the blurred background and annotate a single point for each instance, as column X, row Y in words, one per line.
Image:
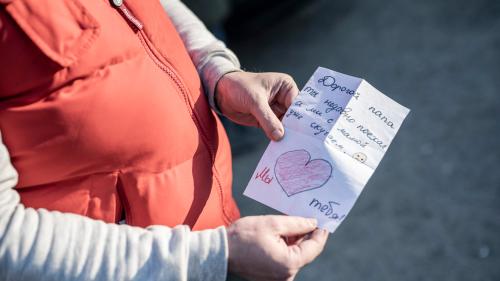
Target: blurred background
column 432, row 209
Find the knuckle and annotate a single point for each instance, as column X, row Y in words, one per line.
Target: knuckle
column 286, row 77
column 289, row 80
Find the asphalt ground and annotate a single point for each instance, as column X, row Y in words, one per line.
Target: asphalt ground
column 431, row 211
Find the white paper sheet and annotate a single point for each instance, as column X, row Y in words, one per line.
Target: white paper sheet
column 336, row 133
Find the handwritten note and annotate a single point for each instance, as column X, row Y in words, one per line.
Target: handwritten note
column 336, row 133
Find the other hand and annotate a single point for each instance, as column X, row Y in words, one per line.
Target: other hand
column 259, row 248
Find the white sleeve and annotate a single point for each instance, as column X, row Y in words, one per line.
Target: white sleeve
column 47, row 245
column 210, row 55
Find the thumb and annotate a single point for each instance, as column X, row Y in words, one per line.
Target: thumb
column 268, row 121
column 292, row 226
column 307, row 250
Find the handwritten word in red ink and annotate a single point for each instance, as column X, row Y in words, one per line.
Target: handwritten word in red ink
column 264, row 176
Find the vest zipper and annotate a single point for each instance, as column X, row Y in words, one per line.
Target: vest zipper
column 137, row 25
column 127, row 14
column 179, row 84
column 182, row 89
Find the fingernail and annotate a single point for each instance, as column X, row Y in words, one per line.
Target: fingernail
column 277, row 134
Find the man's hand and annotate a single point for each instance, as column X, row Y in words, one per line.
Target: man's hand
column 259, row 248
column 256, row 99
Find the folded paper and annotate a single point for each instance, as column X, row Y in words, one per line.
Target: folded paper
column 336, row 132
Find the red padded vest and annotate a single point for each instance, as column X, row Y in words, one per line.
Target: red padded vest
column 104, row 119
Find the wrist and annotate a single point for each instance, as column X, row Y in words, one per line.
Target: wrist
column 220, row 87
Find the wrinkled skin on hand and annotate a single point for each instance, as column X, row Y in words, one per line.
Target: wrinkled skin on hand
column 273, row 247
column 256, row 99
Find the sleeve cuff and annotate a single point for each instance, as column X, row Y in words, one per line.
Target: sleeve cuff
column 212, row 72
column 208, row 255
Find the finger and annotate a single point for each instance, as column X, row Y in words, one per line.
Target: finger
column 288, row 91
column 292, row 226
column 268, row 121
column 307, row 250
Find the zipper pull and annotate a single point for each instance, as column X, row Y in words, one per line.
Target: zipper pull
column 127, row 14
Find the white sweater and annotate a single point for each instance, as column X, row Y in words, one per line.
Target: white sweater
column 36, row 244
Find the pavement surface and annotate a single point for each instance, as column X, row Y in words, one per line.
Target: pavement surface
column 431, row 211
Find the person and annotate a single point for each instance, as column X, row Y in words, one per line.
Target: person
column 113, row 164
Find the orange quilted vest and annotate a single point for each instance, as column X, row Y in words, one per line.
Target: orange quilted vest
column 104, row 115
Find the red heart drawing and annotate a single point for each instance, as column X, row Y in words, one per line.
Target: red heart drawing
column 296, row 172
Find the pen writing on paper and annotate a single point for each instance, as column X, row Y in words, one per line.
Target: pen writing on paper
column 264, row 176
column 348, row 136
column 311, row 91
column 371, row 136
column 327, row 209
column 364, row 135
column 382, row 117
column 329, row 81
column 294, row 113
column 315, row 111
